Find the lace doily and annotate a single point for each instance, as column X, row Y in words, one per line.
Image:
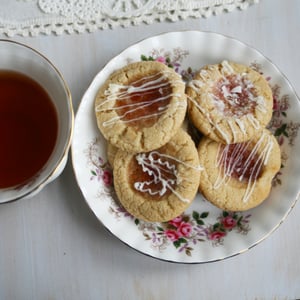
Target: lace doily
column 33, row 17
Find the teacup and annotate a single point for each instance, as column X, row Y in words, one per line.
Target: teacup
column 40, row 90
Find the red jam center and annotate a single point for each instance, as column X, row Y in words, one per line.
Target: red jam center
column 235, row 95
column 144, row 106
column 240, row 162
column 151, row 177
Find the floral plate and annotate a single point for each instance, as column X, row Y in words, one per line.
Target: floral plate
column 203, row 233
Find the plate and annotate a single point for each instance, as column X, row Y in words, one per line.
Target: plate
column 203, row 233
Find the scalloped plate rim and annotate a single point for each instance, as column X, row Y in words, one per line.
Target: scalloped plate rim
column 91, row 89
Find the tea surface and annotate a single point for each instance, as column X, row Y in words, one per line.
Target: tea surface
column 28, row 128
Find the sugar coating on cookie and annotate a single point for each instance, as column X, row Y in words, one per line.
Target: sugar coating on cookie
column 141, row 106
column 238, row 177
column 229, row 102
column 159, row 185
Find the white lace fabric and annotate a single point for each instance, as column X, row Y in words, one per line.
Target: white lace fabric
column 33, row 17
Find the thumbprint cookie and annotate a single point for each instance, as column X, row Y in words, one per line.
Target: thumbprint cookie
column 159, row 185
column 229, row 102
column 141, row 106
column 111, row 152
column 238, row 177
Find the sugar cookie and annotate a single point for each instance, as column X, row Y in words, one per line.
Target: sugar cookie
column 229, row 102
column 141, row 106
column 238, row 177
column 158, row 185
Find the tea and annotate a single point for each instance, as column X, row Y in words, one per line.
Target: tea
column 28, row 128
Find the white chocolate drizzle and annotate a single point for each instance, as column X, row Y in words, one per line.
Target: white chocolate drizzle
column 226, row 100
column 143, row 86
column 241, row 125
column 162, row 170
column 226, row 67
column 228, row 162
column 235, row 96
column 232, row 130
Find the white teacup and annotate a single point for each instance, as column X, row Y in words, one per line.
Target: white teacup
column 20, row 58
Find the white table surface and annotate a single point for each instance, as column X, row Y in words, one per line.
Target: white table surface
column 53, row 247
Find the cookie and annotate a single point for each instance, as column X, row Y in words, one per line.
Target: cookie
column 111, row 152
column 238, row 177
column 229, row 102
column 159, row 185
column 141, row 106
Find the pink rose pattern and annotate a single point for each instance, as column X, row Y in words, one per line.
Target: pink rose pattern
column 172, row 235
column 171, row 59
column 102, row 172
column 187, row 230
column 229, row 222
column 179, row 229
